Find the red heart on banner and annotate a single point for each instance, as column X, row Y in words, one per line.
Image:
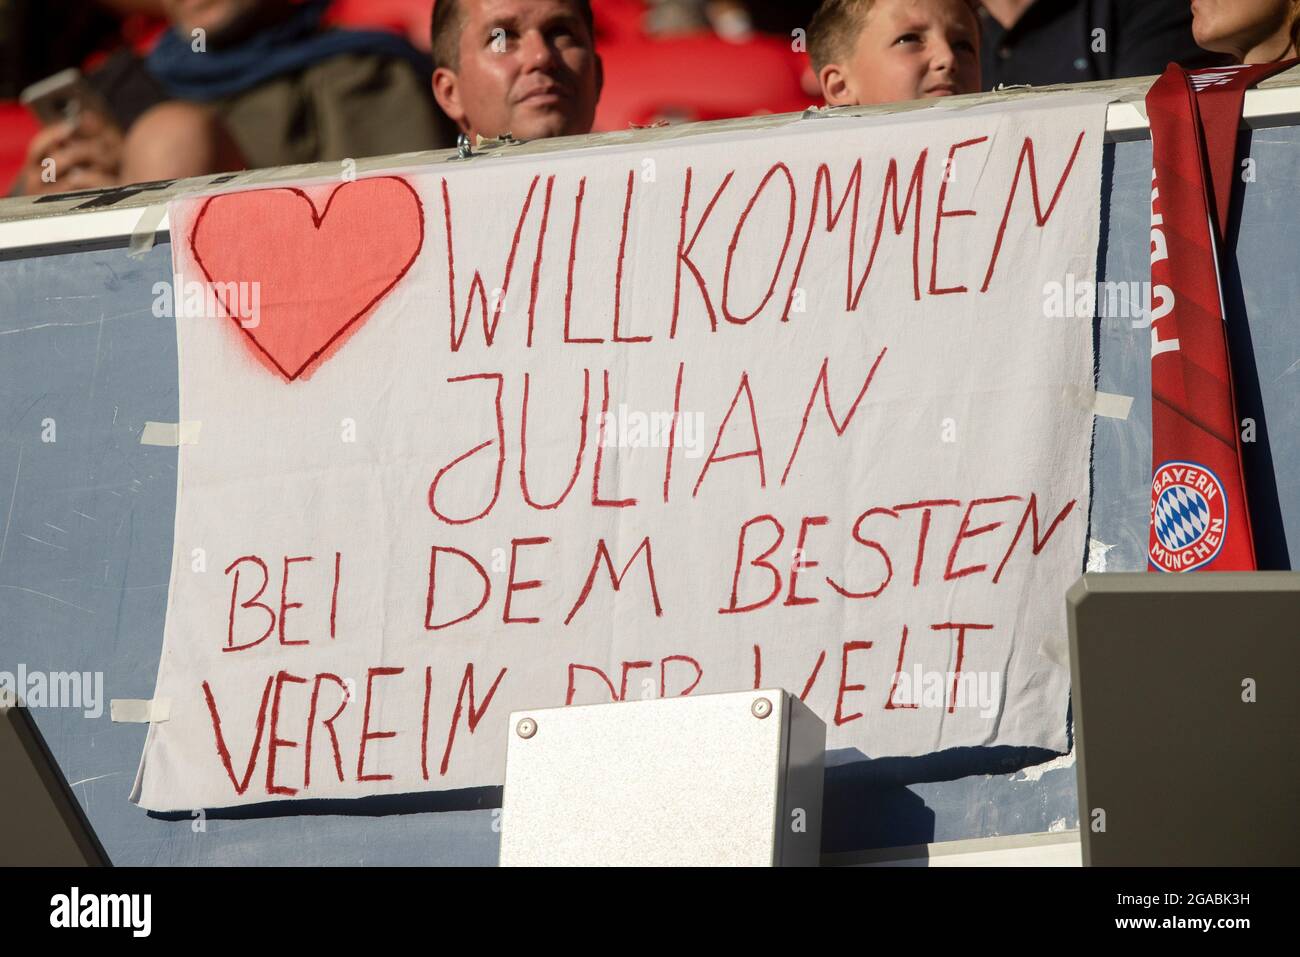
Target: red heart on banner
column 317, row 274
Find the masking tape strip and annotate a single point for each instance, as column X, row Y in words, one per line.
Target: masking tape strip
column 146, row 228
column 140, row 711
column 170, row 433
column 1108, row 405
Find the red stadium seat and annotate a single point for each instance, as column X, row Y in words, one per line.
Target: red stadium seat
column 698, row 77
column 693, row 77
column 17, row 127
column 619, row 19
column 407, row 17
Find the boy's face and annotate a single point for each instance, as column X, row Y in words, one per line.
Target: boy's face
column 908, row 50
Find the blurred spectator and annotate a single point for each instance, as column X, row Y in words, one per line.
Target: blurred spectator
column 292, row 92
column 887, row 51
column 667, row 17
column 1042, row 42
column 730, row 19
column 1249, row 31
column 243, row 83
column 524, row 67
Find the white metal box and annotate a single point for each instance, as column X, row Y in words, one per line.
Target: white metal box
column 723, row 779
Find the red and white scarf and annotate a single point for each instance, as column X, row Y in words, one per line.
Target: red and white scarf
column 1200, row 518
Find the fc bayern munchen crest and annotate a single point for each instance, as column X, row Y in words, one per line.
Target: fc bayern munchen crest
column 1189, row 517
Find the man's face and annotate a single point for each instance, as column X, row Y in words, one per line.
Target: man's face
column 218, row 19
column 908, row 50
column 1237, row 26
column 527, row 67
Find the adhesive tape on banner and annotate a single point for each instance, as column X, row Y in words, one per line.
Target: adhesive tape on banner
column 140, row 711
column 146, row 228
column 170, row 433
column 1108, row 405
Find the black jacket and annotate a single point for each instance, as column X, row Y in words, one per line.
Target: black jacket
column 1072, row 41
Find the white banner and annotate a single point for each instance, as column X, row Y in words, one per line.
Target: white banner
column 769, row 408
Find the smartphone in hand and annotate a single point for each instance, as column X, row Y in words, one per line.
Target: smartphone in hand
column 80, row 145
column 63, row 98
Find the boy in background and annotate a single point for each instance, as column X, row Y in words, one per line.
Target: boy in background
column 886, row 51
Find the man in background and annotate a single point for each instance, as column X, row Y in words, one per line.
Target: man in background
column 1041, row 42
column 524, row 67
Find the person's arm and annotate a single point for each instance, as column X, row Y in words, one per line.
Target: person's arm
column 177, row 140
column 1153, row 34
